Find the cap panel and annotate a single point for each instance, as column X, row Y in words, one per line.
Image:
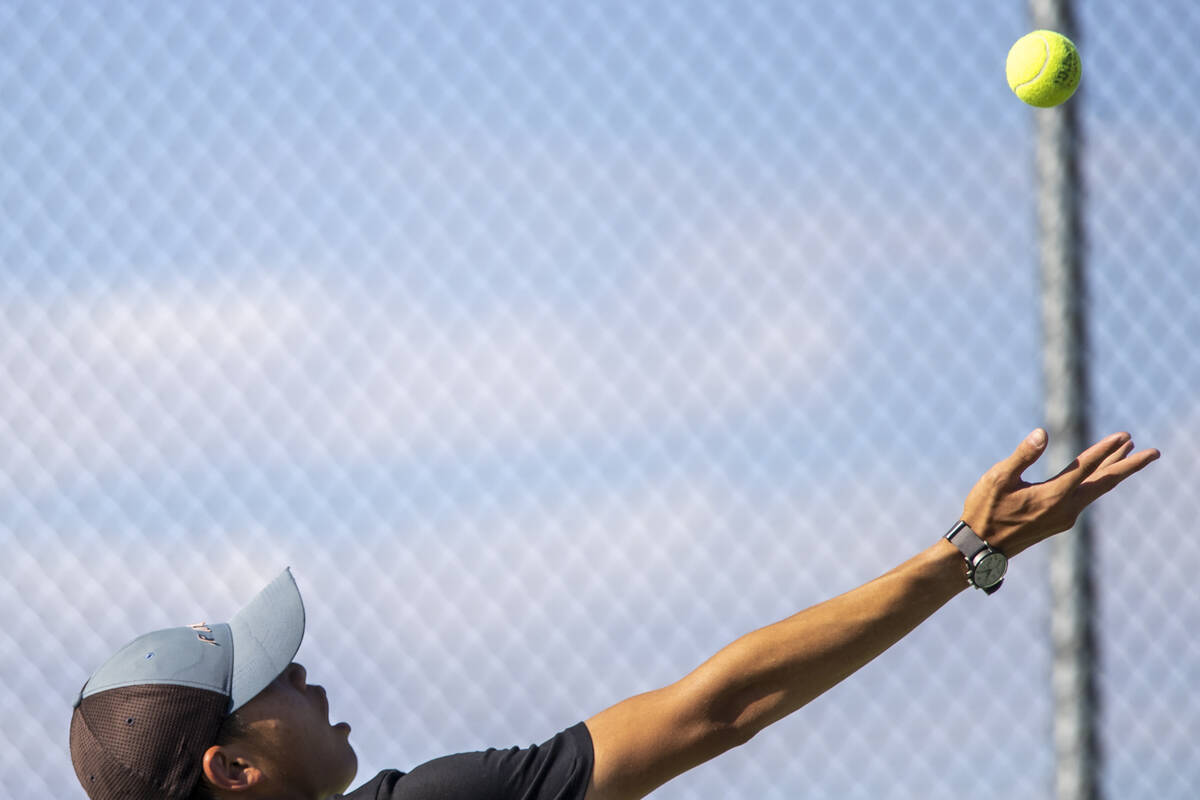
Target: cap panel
column 200, row 656
column 266, row 635
column 144, row 741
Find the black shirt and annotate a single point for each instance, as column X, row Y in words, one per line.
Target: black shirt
column 558, row 769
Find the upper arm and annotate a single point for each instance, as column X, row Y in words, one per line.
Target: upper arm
column 645, row 741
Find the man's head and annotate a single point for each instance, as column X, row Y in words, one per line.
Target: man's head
column 158, row 718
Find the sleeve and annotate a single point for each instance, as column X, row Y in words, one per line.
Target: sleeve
column 558, row 769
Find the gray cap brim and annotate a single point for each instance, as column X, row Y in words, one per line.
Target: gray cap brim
column 266, row 635
column 237, row 659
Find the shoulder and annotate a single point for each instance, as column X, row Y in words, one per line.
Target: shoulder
column 382, row 785
column 557, row 769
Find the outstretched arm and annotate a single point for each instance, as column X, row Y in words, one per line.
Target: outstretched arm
column 643, row 742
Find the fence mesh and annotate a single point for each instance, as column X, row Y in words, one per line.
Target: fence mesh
column 557, row 345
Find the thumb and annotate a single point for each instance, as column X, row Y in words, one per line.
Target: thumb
column 1028, row 451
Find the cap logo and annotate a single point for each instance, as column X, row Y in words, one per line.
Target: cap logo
column 201, row 628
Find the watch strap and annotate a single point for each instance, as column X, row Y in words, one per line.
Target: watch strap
column 970, row 544
column 966, row 540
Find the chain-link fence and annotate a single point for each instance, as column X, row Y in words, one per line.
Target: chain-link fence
column 555, row 345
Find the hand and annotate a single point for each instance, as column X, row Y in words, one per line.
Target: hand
column 1011, row 514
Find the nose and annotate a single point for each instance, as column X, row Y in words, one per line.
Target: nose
column 296, row 675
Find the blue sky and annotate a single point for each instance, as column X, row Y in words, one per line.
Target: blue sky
column 579, row 339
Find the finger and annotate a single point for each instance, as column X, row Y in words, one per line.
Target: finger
column 1116, row 455
column 1086, row 462
column 1109, row 476
column 1028, row 451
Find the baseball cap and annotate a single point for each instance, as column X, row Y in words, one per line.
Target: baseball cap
column 143, row 720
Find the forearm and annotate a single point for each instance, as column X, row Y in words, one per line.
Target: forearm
column 769, row 673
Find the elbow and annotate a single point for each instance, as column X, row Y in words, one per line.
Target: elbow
column 726, row 711
column 734, row 735
column 727, row 723
column 737, row 725
column 732, row 718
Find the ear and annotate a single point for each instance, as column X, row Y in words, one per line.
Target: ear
column 228, row 770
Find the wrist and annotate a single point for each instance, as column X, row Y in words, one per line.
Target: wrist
column 946, row 566
column 950, row 560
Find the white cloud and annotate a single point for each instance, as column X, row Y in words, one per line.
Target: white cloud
column 126, row 376
column 156, row 373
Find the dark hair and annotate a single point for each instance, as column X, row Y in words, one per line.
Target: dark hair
column 232, row 729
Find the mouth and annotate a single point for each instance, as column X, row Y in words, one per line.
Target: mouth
column 324, row 697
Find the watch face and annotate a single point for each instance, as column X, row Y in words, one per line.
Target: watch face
column 990, row 570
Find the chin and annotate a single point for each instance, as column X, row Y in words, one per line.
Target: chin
column 349, row 769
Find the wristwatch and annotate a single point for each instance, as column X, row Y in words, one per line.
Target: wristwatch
column 985, row 565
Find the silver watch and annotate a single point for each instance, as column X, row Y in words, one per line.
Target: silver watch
column 985, row 565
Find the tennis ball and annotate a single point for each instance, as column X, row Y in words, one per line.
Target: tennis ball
column 1043, row 68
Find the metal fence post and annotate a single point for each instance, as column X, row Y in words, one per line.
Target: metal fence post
column 1077, row 760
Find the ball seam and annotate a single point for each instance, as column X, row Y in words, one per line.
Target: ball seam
column 1045, row 63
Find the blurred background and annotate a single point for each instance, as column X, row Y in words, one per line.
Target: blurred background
column 556, row 345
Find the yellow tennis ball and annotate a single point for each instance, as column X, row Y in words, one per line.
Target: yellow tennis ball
column 1043, row 68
